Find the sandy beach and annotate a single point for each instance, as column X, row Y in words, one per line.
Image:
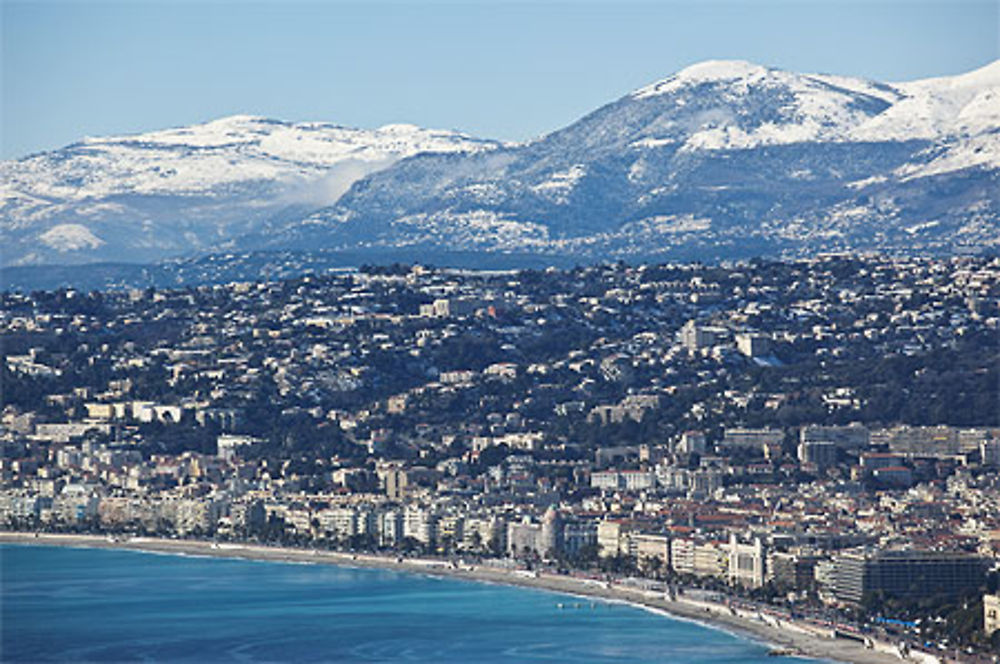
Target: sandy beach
column 788, row 637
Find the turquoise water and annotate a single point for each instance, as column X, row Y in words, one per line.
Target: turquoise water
column 99, row 605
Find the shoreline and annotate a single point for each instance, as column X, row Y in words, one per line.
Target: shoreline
column 782, row 636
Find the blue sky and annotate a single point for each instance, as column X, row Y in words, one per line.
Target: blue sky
column 508, row 70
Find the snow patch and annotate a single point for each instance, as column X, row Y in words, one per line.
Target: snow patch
column 710, row 71
column 560, row 184
column 981, row 151
column 916, row 228
column 867, row 182
column 672, row 223
column 469, row 230
column 936, row 107
column 652, row 143
column 70, row 237
column 483, row 193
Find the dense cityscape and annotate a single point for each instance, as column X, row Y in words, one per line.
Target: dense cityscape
column 820, row 435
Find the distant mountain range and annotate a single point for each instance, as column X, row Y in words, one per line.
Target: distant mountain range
column 725, row 159
column 190, row 190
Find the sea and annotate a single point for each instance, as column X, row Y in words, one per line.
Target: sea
column 98, row 605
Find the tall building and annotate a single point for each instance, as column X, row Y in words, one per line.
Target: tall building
column 395, row 481
column 753, row 344
column 695, row 336
column 818, row 453
column 420, row 524
column 908, row 574
column 524, row 538
column 249, row 516
column 936, row 441
column 651, row 551
column 389, row 525
column 552, row 532
column 704, row 484
column 751, row 438
column 612, row 537
column 852, row 436
column 792, row 570
column 991, row 614
column 339, row 522
column 711, row 559
column 989, row 451
column 578, row 535
column 747, row 562
column 682, row 556
column 692, row 442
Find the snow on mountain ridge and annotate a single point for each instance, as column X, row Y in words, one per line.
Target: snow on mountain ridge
column 758, row 105
column 675, row 163
column 959, row 114
column 833, row 108
column 220, row 153
column 986, row 76
column 936, row 108
column 709, row 71
column 189, row 187
column 70, row 237
column 724, row 158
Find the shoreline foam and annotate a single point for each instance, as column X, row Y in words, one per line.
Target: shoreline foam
column 802, row 642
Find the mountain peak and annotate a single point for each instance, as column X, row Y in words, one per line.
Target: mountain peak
column 987, row 76
column 709, row 71
column 242, row 119
column 219, row 130
column 399, row 128
column 719, row 70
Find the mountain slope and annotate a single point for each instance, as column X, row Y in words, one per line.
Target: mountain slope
column 181, row 190
column 721, row 159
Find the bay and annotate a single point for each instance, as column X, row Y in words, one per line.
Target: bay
column 68, row 604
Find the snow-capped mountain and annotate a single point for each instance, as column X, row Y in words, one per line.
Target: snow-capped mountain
column 721, row 159
column 146, row 196
column 821, row 107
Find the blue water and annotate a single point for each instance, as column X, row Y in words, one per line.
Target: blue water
column 63, row 605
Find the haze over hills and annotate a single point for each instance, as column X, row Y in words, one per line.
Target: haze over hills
column 723, row 159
